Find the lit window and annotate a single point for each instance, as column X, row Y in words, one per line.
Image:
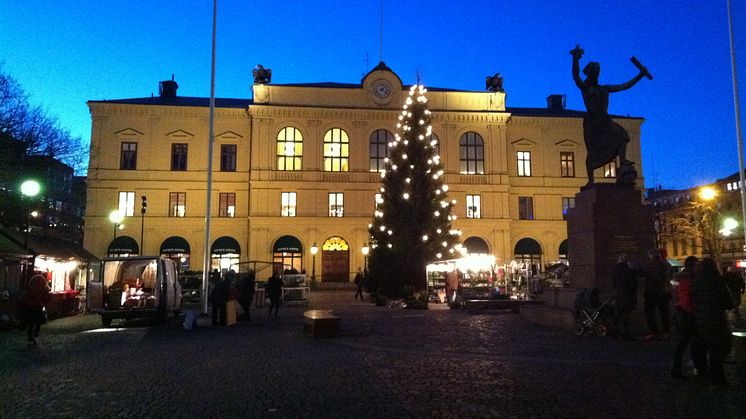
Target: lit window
column 288, row 204
column 177, row 204
column 525, row 208
column 336, row 204
column 378, row 200
column 473, row 206
column 336, row 150
column 471, row 148
column 567, row 164
column 610, row 169
column 524, row 163
column 379, row 142
column 178, row 157
column 435, row 138
column 227, row 205
column 128, row 159
column 289, row 149
column 127, row 203
column 567, row 203
column 228, row 158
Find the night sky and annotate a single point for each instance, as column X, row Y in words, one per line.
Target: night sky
column 64, row 53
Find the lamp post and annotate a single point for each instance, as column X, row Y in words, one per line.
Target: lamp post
column 142, row 223
column 116, row 217
column 366, row 250
column 314, row 250
column 30, row 189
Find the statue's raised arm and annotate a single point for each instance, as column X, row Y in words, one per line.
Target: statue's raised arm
column 576, row 54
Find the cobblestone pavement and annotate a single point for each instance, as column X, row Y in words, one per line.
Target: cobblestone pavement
column 386, row 363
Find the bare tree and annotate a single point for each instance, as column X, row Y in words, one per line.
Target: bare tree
column 700, row 221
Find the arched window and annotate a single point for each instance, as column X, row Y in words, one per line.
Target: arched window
column 289, row 149
column 336, row 150
column 471, row 148
column 436, row 143
column 379, row 148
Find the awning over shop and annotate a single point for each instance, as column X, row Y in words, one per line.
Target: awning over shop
column 9, row 248
column 527, row 246
column 225, row 245
column 124, row 244
column 174, row 244
column 476, row 245
column 288, row 244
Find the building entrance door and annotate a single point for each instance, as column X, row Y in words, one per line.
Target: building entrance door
column 335, row 260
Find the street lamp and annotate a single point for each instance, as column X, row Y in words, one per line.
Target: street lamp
column 29, row 188
column 707, row 193
column 366, row 250
column 314, row 250
column 116, row 217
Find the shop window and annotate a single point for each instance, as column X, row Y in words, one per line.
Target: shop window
column 336, row 204
column 178, row 157
column 379, row 147
column 473, row 206
column 336, row 150
column 567, row 203
column 128, row 159
column 525, row 208
column 471, row 150
column 288, row 204
column 567, row 164
column 289, row 149
column 228, row 158
column 127, row 203
column 227, row 205
column 524, row 163
column 177, row 204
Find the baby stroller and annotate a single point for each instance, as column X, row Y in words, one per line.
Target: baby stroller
column 591, row 314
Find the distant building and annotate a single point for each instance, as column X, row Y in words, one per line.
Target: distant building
column 299, row 165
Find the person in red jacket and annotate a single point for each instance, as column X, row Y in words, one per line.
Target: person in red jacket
column 684, row 318
column 35, row 301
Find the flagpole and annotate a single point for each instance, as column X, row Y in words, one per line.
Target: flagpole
column 211, row 141
column 739, row 138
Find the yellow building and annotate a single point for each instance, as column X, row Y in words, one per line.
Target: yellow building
column 298, row 165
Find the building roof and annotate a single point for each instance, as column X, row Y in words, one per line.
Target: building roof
column 180, row 101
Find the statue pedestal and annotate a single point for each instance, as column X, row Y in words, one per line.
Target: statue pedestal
column 607, row 220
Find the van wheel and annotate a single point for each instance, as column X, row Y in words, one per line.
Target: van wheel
column 105, row 321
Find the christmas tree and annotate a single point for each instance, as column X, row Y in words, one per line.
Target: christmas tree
column 412, row 223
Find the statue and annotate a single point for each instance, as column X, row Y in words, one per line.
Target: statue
column 262, row 75
column 604, row 138
column 495, row 83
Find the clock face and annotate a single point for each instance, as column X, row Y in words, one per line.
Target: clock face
column 381, row 88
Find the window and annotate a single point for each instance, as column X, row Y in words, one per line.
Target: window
column 471, row 148
column 289, row 149
column 473, row 206
column 524, row 163
column 227, row 205
column 127, row 203
column 128, row 159
column 336, row 204
column 336, row 150
column 178, row 157
column 567, row 203
column 228, row 158
column 610, row 169
column 379, row 147
column 177, row 204
column 525, row 208
column 567, row 164
column 288, row 204
column 435, row 142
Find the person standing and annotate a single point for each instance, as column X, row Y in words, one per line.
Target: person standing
column 711, row 300
column 452, row 285
column 734, row 281
column 246, row 294
column 36, row 299
column 359, row 284
column 684, row 320
column 219, row 298
column 625, row 285
column 274, row 293
column 657, row 273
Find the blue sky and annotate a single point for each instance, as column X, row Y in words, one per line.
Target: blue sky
column 64, row 53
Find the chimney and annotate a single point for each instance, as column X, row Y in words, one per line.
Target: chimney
column 556, row 103
column 167, row 88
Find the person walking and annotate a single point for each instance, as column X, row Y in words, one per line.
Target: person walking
column 359, row 283
column 684, row 321
column 657, row 274
column 246, row 294
column 219, row 298
column 625, row 285
column 36, row 300
column 274, row 293
column 711, row 300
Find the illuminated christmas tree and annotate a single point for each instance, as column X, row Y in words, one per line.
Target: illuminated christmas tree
column 412, row 222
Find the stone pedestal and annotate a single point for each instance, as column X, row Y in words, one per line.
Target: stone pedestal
column 608, row 219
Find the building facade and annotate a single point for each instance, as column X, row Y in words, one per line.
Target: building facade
column 298, row 165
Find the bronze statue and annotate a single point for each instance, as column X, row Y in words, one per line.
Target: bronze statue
column 604, row 138
column 262, row 75
column 495, row 83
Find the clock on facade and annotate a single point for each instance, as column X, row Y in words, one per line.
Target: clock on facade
column 381, row 88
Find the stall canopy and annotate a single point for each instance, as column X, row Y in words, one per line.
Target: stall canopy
column 527, row 246
column 174, row 244
column 225, row 245
column 124, row 244
column 475, row 245
column 288, row 244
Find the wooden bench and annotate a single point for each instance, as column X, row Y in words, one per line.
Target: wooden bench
column 321, row 323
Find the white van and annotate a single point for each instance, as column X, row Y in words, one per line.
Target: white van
column 134, row 287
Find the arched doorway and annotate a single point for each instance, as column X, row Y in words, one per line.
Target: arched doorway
column 123, row 246
column 527, row 254
column 224, row 254
column 177, row 249
column 475, row 245
column 289, row 252
column 335, row 260
column 563, row 251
